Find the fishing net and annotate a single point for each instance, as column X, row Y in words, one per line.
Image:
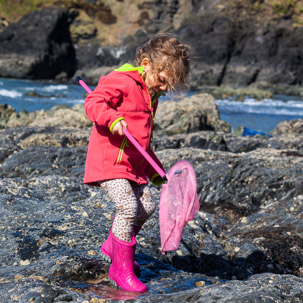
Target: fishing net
column 179, row 204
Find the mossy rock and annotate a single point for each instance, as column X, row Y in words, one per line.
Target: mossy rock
column 55, row 108
column 83, row 27
column 6, row 111
column 188, row 115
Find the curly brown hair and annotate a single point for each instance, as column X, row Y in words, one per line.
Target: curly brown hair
column 166, row 52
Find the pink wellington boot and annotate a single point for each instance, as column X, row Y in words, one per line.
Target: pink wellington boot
column 106, row 248
column 121, row 271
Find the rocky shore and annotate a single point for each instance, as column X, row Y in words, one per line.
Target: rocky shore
column 245, row 244
column 235, row 43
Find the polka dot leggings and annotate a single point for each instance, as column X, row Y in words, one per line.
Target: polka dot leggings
column 134, row 205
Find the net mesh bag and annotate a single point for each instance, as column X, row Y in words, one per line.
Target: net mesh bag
column 179, row 203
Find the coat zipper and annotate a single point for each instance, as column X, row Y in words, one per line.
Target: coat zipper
column 150, row 124
column 152, row 115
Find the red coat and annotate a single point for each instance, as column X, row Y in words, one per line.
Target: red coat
column 122, row 94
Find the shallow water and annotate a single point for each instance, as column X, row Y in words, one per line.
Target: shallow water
column 159, row 277
column 258, row 115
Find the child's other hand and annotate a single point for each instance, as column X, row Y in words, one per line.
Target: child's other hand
column 117, row 129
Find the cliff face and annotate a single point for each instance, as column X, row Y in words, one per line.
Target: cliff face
column 239, row 47
column 235, row 42
column 39, row 46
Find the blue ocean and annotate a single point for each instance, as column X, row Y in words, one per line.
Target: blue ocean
column 261, row 116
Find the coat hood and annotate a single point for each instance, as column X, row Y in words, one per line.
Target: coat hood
column 136, row 74
column 132, row 71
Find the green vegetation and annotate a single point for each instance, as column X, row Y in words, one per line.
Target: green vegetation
column 91, row 18
column 109, row 20
column 283, row 7
column 292, row 9
column 13, row 10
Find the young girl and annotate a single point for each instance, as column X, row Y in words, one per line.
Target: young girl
column 127, row 97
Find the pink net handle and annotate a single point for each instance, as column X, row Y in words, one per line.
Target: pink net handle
column 151, row 161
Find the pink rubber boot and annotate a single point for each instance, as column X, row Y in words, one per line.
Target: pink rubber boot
column 121, row 271
column 106, row 248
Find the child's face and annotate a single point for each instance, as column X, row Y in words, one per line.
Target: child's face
column 155, row 82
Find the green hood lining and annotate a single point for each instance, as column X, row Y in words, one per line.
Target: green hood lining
column 130, row 68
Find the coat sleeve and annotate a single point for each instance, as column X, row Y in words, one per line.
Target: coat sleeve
column 151, row 173
column 101, row 103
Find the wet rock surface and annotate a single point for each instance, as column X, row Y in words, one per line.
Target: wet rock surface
column 245, row 244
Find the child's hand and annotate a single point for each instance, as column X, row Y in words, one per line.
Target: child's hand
column 117, row 129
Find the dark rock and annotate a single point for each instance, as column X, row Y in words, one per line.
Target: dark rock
column 38, row 46
column 44, row 161
column 92, row 56
column 233, row 45
column 202, row 140
column 244, row 245
column 232, row 48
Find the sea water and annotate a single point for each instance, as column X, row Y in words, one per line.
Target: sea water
column 261, row 116
column 35, row 95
